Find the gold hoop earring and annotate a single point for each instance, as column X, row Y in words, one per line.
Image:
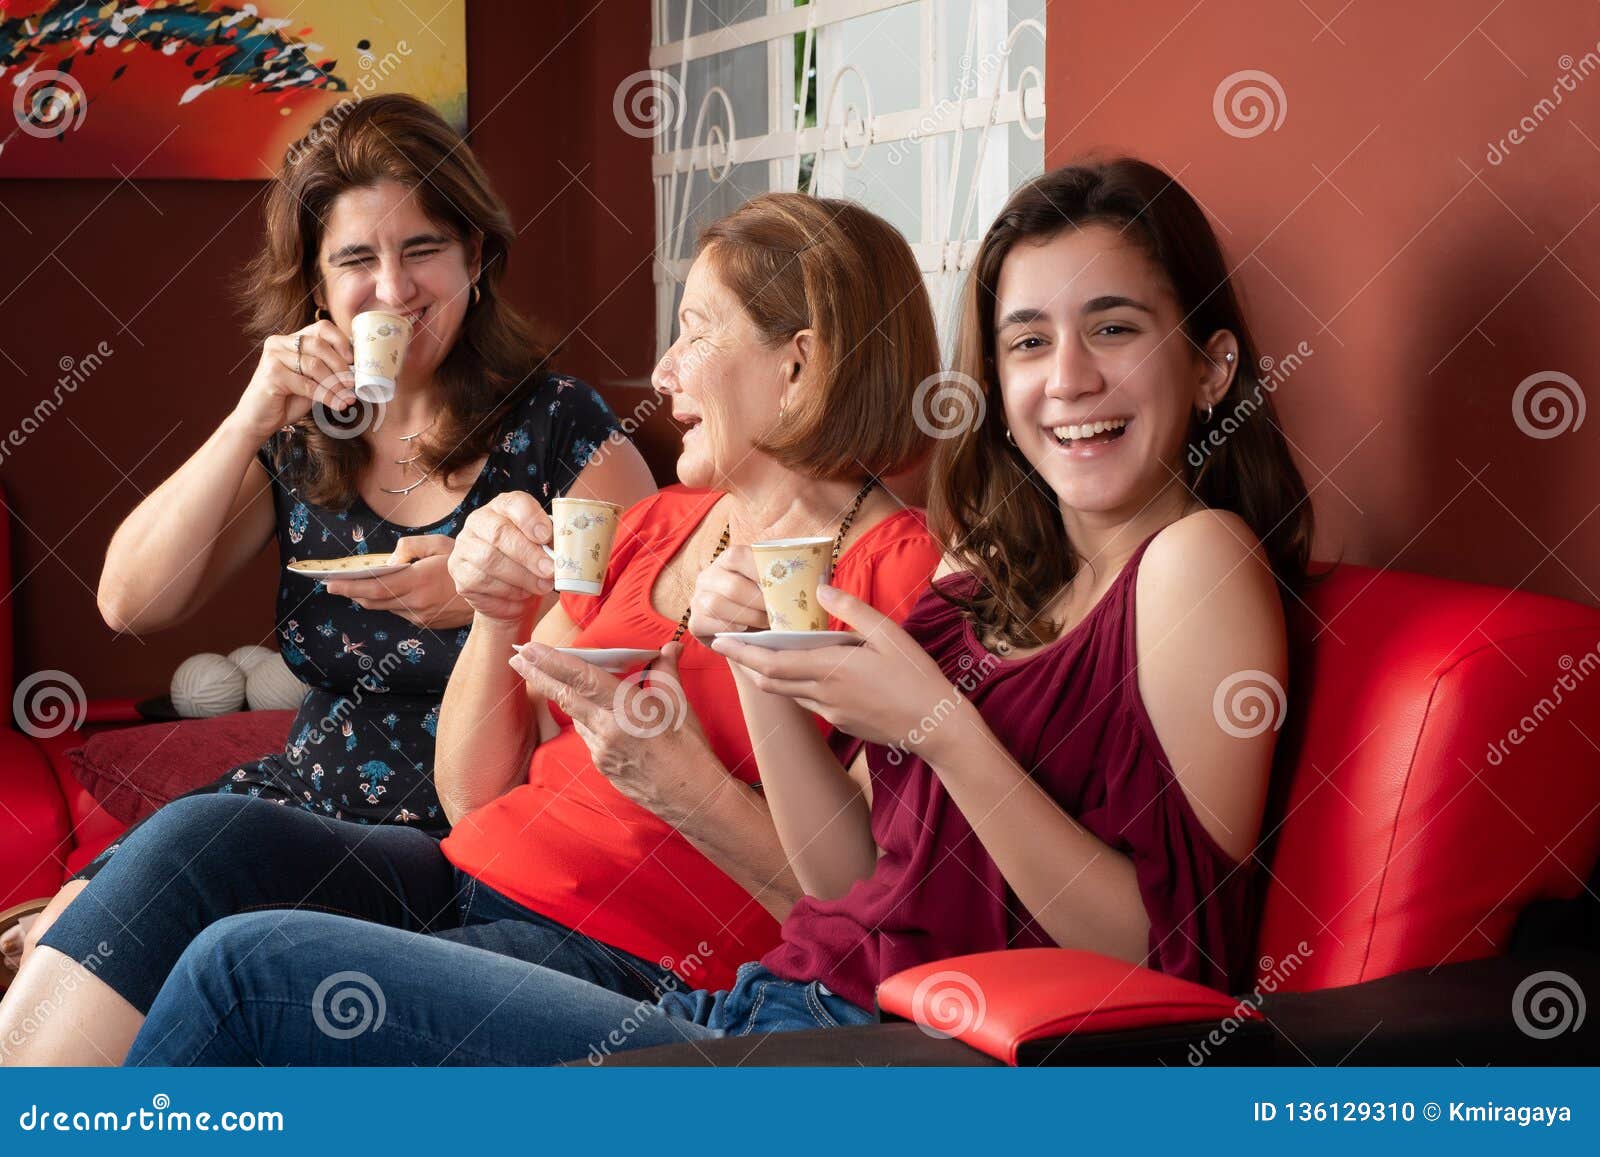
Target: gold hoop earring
column 321, row 315
column 1009, row 438
column 476, row 295
column 1206, row 419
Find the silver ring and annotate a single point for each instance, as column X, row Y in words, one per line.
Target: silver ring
column 299, row 364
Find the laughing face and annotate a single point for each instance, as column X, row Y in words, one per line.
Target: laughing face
column 724, row 382
column 381, row 251
column 1099, row 379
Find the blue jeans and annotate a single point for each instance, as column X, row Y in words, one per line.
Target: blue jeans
column 308, row 988
column 204, row 858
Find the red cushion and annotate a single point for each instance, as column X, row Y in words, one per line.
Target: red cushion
column 1411, row 829
column 34, row 834
column 134, row 770
column 996, row 1001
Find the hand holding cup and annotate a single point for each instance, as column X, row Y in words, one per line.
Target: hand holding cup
column 727, row 596
column 501, row 564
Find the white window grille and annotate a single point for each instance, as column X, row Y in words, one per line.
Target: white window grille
column 926, row 111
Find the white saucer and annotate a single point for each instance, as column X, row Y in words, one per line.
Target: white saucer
column 611, row 659
column 355, row 566
column 794, row 640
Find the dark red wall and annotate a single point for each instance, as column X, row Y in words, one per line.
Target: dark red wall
column 84, row 258
column 1429, row 281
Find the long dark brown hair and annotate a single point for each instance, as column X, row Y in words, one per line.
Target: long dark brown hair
column 496, row 359
column 1000, row 521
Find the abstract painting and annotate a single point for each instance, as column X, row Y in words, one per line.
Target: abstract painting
column 194, row 88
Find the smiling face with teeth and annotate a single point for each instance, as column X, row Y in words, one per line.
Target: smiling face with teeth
column 725, row 384
column 380, row 250
column 1099, row 381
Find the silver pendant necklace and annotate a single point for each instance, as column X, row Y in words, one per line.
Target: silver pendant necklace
column 404, row 490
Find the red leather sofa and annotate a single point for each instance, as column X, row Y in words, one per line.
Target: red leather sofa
column 1429, row 867
column 49, row 825
column 1429, row 859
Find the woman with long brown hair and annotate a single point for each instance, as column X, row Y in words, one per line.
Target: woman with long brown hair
column 381, row 206
column 1044, row 752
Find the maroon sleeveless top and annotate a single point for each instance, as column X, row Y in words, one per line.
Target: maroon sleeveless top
column 1071, row 715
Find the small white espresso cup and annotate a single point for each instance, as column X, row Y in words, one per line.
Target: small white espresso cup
column 380, row 339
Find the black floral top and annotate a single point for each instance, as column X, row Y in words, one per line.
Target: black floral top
column 361, row 746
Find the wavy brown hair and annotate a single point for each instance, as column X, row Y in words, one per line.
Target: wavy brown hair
column 497, row 358
column 994, row 512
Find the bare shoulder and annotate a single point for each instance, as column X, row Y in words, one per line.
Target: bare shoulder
column 1209, row 561
column 1208, row 617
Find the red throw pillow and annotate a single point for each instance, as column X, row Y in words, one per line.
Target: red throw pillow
column 134, row 770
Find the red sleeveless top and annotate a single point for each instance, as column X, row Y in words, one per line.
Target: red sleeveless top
column 1071, row 714
column 570, row 846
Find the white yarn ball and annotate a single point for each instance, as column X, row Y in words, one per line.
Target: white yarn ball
column 207, row 684
column 271, row 686
column 248, row 656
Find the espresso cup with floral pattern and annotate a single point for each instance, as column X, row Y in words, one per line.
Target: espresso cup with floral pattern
column 585, row 529
column 789, row 571
column 380, row 339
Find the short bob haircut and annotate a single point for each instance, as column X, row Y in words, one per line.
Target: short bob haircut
column 798, row 262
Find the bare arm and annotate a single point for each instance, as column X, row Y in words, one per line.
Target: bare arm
column 820, row 812
column 199, row 527
column 189, row 536
column 489, row 723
